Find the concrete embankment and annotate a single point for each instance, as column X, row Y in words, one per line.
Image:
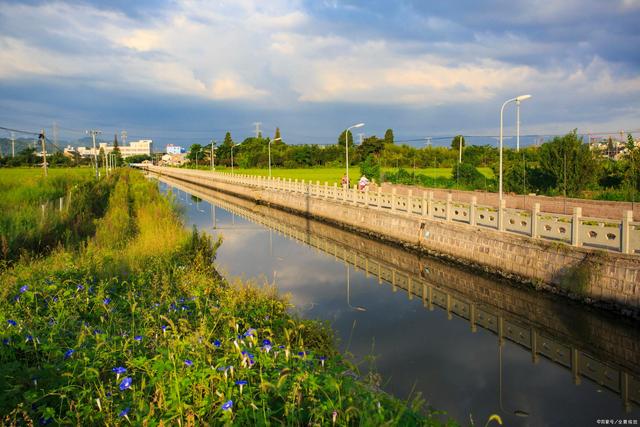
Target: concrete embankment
column 595, row 276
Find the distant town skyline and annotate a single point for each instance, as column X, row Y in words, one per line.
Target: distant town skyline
column 188, row 71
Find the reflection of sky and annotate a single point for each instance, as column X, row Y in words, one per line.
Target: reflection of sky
column 415, row 349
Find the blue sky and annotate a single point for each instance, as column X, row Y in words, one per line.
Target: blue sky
column 185, row 71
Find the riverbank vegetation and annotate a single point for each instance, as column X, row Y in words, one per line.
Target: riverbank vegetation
column 564, row 165
column 135, row 326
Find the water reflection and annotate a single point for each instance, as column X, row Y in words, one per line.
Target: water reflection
column 430, row 327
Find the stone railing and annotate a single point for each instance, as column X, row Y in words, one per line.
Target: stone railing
column 621, row 235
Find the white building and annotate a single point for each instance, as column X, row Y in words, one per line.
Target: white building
column 175, row 149
column 134, row 148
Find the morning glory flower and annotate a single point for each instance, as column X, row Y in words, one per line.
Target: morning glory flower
column 80, row 288
column 241, row 383
column 69, row 353
column 217, row 343
column 12, row 322
column 227, row 405
column 5, row 341
column 188, row 362
column 29, row 338
column 249, row 332
column 119, row 370
column 164, row 328
column 24, row 289
column 138, row 338
column 124, row 412
column 106, row 301
column 322, row 359
column 125, row 384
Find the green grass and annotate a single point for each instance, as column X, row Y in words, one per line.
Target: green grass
column 332, row 175
column 32, row 220
column 142, row 295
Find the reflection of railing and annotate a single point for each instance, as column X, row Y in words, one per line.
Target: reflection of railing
column 614, row 235
column 504, row 325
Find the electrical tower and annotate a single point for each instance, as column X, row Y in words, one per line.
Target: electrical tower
column 257, row 125
column 55, row 133
column 123, row 138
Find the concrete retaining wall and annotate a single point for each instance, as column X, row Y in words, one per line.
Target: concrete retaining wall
column 596, row 276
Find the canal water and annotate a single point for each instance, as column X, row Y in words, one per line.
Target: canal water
column 471, row 345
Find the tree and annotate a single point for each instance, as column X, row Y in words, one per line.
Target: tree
column 388, row 136
column 116, row 150
column 467, row 174
column 371, row 145
column 101, row 157
column 195, row 153
column 223, row 153
column 455, row 142
column 569, row 163
column 370, row 168
column 277, row 135
column 632, row 175
column 341, row 139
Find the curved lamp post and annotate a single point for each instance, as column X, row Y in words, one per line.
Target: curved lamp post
column 517, row 99
column 357, row 307
column 270, row 141
column 233, row 145
column 346, row 145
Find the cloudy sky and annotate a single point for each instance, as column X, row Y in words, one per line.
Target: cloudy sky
column 185, row 71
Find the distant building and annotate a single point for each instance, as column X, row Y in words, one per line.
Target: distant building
column 175, row 149
column 174, row 159
column 135, row 148
column 70, row 151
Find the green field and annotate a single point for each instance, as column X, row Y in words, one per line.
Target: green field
column 332, row 175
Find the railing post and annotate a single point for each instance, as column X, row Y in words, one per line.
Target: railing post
column 575, row 226
column 326, row 190
column 345, row 191
column 317, row 188
column 625, row 232
column 472, row 210
column 393, row 200
column 335, row 191
column 379, row 203
column 354, row 191
column 501, row 208
column 430, row 207
column 448, row 208
column 409, row 198
column 535, row 214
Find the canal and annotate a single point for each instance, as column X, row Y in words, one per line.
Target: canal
column 470, row 344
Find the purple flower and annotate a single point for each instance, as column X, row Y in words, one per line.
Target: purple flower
column 138, row 338
column 266, row 342
column 29, row 338
column 119, row 370
column 188, row 362
column 249, row 332
column 125, row 384
column 80, row 288
column 69, row 353
column 124, row 412
column 24, row 289
column 227, row 405
column 241, row 382
column 217, row 343
column 5, row 341
column 106, row 301
column 12, row 322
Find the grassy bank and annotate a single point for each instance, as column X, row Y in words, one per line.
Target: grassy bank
column 136, row 326
column 39, row 213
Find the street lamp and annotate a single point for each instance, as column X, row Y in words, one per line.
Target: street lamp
column 357, row 307
column 233, row 145
column 199, row 151
column 346, row 145
column 270, row 141
column 213, row 163
column 516, row 99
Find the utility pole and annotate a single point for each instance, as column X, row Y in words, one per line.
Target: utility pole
column 13, row 144
column 257, row 125
column 213, row 163
column 123, row 134
column 361, row 136
column 93, row 133
column 44, row 152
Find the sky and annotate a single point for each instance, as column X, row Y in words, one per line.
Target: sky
column 185, row 71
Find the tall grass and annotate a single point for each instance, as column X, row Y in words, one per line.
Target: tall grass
column 33, row 221
column 136, row 327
